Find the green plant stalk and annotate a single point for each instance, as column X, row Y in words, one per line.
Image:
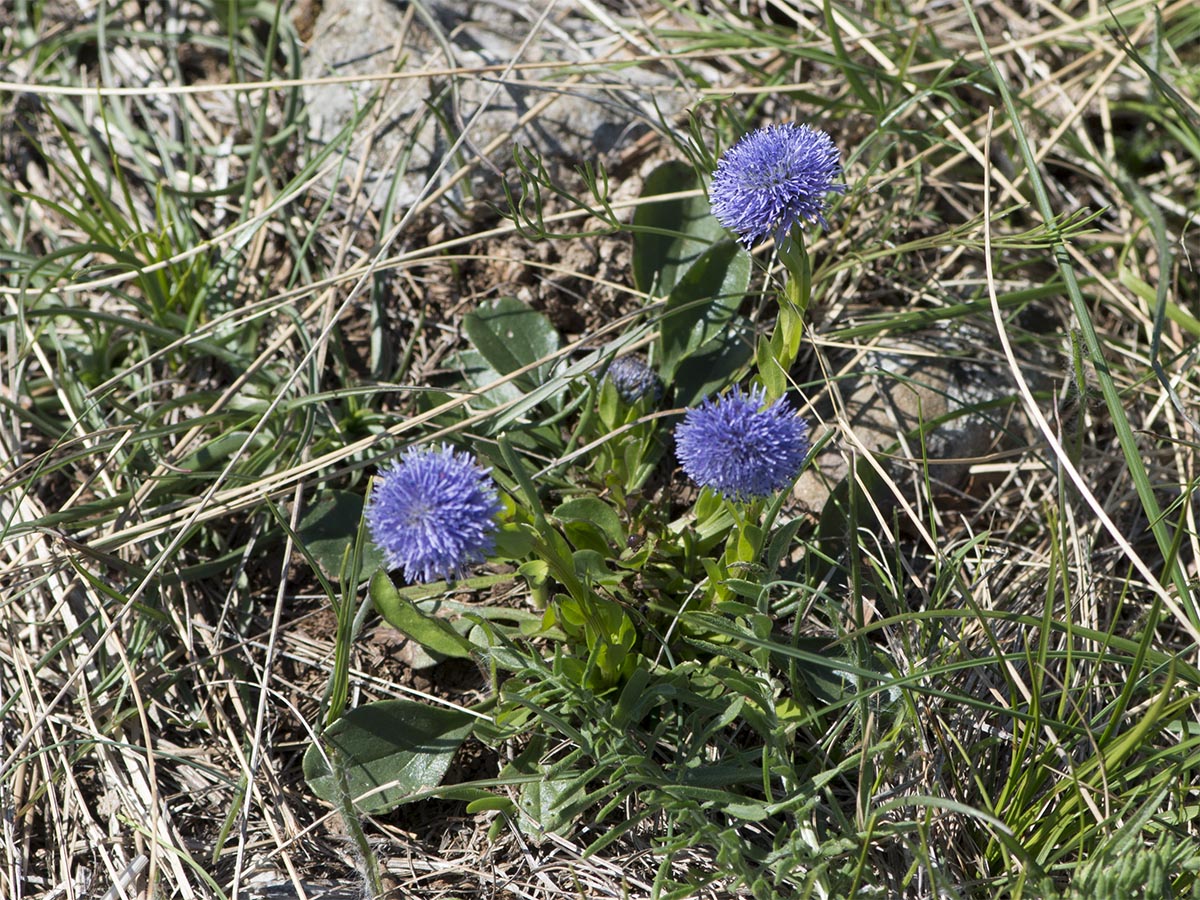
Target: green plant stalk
column 1112, row 397
column 349, row 621
column 349, row 815
column 338, row 690
column 776, row 357
column 235, row 810
column 744, row 545
column 547, row 544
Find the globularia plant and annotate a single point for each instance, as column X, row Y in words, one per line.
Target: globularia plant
column 642, row 607
column 772, row 183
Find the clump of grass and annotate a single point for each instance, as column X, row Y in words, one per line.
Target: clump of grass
column 982, row 689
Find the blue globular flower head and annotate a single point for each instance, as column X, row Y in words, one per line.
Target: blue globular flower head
column 774, row 178
column 634, row 380
column 741, row 448
column 433, row 513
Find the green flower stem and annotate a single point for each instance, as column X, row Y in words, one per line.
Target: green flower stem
column 743, row 545
column 551, row 549
column 776, row 356
column 350, row 819
column 745, row 542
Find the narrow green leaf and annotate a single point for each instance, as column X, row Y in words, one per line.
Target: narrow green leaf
column 1113, row 400
column 434, row 634
column 780, row 544
column 491, row 803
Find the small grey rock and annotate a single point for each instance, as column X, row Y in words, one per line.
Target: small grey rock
column 934, row 384
column 421, row 118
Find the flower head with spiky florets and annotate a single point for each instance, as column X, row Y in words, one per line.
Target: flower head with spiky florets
column 634, row 380
column 739, row 447
column 433, row 513
column 775, row 178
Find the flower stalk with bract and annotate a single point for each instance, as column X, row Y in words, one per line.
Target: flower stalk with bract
column 773, row 183
column 743, row 449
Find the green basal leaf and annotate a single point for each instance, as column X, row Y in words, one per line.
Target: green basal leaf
column 670, row 236
column 480, row 376
column 535, row 571
column 720, row 362
column 595, row 512
column 584, row 535
column 538, row 803
column 592, row 566
column 514, row 540
column 703, row 303
column 510, row 336
column 389, row 751
column 329, row 526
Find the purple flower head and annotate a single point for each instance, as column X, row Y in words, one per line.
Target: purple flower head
column 774, row 178
column 740, row 448
column 634, row 380
column 433, row 513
